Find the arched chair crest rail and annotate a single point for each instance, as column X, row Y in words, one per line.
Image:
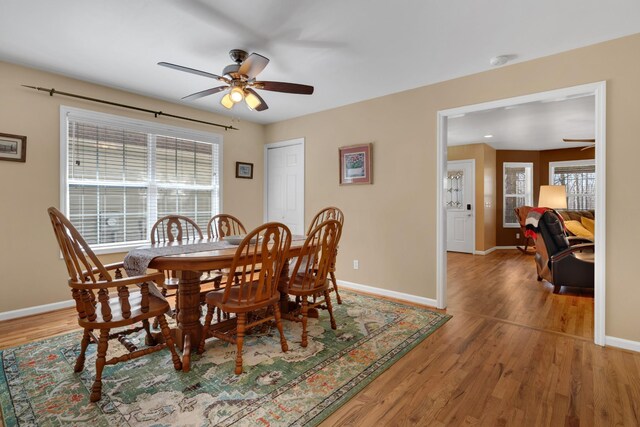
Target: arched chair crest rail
column 222, row 225
column 104, row 301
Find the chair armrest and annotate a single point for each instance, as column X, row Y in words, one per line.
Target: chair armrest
column 576, row 240
column 114, row 265
column 575, row 248
column 109, row 267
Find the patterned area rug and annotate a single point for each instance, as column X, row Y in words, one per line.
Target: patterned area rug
column 300, row 387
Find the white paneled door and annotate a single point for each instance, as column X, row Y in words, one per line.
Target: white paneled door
column 459, row 202
column 285, row 184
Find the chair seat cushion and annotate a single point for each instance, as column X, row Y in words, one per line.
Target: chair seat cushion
column 157, row 306
column 232, row 306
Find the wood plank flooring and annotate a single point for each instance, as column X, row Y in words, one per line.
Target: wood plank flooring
column 513, row 354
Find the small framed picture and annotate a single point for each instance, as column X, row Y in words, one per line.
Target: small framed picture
column 244, row 170
column 356, row 164
column 13, row 147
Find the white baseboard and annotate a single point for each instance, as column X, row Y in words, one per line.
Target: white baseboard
column 622, row 343
column 495, row 248
column 38, row 309
column 387, row 293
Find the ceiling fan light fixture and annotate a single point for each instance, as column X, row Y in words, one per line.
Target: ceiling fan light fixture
column 227, row 102
column 236, row 94
column 252, row 101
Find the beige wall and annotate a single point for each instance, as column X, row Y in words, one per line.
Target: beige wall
column 32, row 272
column 485, row 193
column 390, row 225
column 490, row 201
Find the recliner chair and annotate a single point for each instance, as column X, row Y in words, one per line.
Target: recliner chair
column 559, row 261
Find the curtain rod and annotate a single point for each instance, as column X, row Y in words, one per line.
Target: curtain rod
column 131, row 107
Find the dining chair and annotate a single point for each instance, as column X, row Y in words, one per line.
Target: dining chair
column 172, row 228
column 251, row 292
column 91, row 282
column 222, row 225
column 309, row 276
column 327, row 213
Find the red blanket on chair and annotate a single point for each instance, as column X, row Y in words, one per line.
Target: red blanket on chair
column 533, row 218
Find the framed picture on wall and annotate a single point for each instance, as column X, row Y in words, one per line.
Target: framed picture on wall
column 244, row 170
column 356, row 164
column 13, row 147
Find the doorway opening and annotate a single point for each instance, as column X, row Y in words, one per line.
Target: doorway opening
column 595, row 90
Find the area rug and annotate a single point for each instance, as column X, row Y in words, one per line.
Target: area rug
column 300, row 387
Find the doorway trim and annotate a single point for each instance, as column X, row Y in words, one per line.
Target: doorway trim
column 265, row 190
column 474, row 211
column 599, row 90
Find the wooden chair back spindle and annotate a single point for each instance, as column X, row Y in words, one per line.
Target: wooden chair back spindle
column 325, row 214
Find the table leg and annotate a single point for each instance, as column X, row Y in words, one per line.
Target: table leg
column 189, row 326
column 283, row 283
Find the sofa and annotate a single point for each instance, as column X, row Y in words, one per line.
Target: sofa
column 580, row 223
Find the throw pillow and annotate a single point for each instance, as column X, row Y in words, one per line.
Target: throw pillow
column 589, row 224
column 577, row 229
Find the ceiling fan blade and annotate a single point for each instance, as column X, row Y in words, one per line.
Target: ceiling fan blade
column 253, row 65
column 204, row 93
column 191, row 70
column 263, row 105
column 592, row 140
column 587, row 147
column 284, row 87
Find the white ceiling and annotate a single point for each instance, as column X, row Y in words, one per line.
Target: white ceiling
column 530, row 126
column 350, row 50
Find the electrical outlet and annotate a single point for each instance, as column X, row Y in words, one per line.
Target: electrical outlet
column 517, row 235
column 356, row 264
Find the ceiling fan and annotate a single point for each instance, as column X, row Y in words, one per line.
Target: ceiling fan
column 240, row 81
column 591, row 141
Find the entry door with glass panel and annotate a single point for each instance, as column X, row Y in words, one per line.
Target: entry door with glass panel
column 459, row 199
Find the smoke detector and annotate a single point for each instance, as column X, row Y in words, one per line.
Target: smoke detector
column 496, row 61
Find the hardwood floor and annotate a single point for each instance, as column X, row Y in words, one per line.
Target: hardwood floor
column 513, row 354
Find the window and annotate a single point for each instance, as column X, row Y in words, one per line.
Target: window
column 517, row 181
column 579, row 179
column 120, row 175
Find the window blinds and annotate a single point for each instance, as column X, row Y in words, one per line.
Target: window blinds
column 121, row 178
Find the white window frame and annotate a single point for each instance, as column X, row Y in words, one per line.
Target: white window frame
column 137, row 126
column 528, row 196
column 554, row 165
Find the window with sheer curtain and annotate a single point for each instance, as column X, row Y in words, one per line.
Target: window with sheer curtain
column 579, row 179
column 517, row 180
column 122, row 174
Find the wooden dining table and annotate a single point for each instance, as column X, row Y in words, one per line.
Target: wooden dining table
column 189, row 268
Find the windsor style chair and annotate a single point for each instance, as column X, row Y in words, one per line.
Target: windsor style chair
column 250, row 290
column 91, row 285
